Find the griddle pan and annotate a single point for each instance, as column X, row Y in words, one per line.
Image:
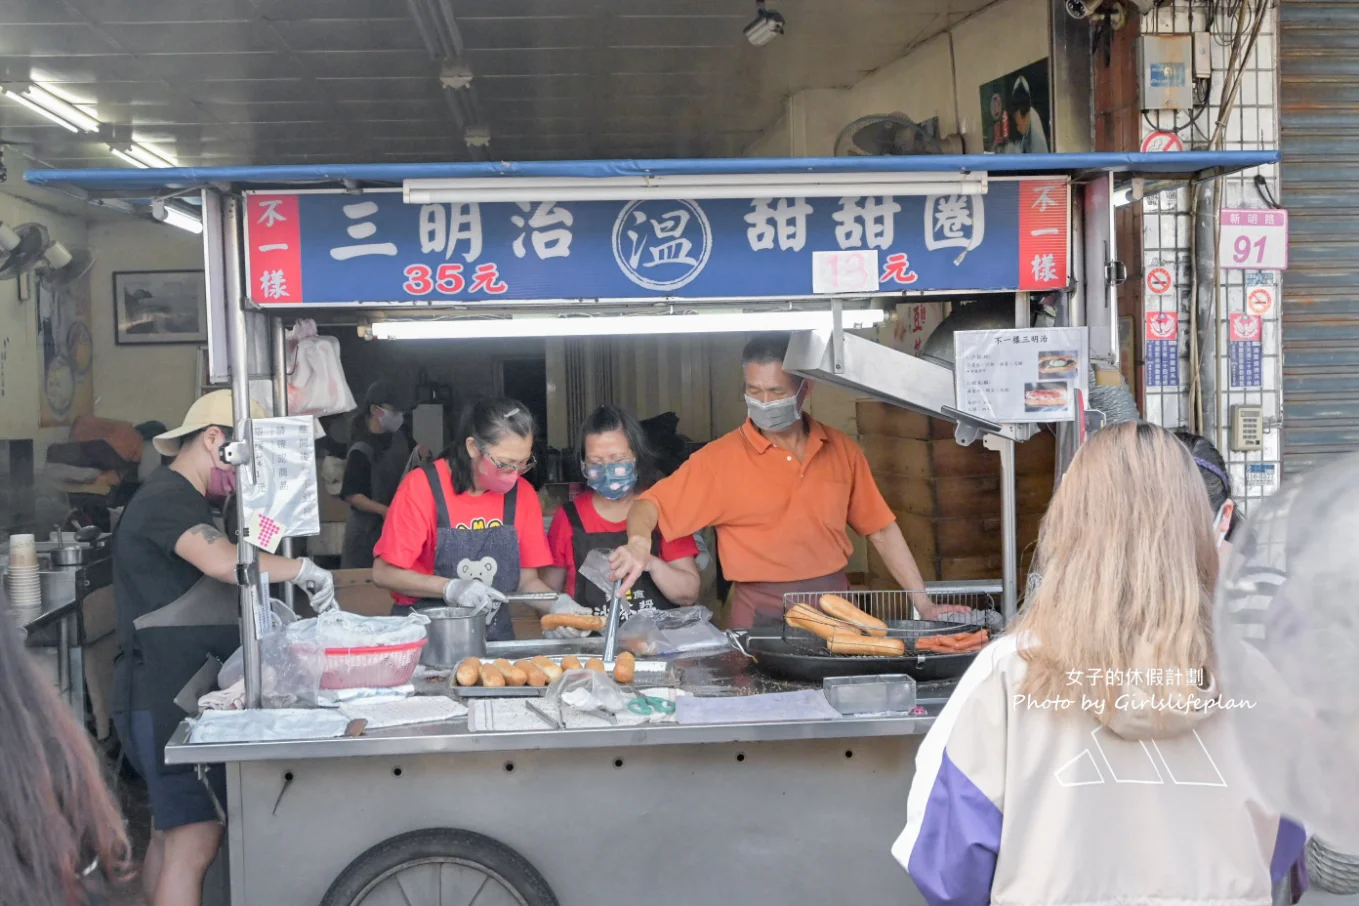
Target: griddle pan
column 793, row 661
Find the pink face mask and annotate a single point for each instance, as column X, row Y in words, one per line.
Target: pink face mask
column 221, row 483
column 491, row 479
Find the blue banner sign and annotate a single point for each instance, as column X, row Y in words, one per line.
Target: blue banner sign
column 325, row 248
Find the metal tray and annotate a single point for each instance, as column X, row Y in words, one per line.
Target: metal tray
column 788, row 660
column 499, row 691
column 876, row 694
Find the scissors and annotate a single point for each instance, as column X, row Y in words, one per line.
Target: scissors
column 649, row 704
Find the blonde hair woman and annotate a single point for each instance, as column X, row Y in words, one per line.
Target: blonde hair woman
column 1083, row 757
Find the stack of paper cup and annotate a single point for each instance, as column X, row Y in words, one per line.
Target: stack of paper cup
column 23, row 584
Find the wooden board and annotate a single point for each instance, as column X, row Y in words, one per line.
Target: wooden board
column 971, row 496
column 886, row 420
column 944, row 458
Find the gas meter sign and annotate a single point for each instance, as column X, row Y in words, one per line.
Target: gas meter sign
column 334, row 248
column 1253, row 239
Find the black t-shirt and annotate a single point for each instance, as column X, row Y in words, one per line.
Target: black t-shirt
column 358, row 468
column 147, row 573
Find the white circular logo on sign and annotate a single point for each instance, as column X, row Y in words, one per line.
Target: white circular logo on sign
column 1161, row 325
column 662, row 245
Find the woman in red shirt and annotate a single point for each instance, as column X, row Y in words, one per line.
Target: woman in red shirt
column 617, row 464
column 468, row 530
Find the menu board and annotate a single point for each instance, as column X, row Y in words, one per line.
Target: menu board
column 1017, row 376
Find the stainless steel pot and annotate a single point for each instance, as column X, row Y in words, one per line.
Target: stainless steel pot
column 68, row 556
column 454, row 633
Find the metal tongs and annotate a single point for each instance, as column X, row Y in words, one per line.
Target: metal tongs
column 596, row 568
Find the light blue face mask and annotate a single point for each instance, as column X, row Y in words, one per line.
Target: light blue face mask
column 613, row 481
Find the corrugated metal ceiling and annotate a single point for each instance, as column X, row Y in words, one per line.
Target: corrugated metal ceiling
column 312, row 81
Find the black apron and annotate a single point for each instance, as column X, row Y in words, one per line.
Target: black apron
column 173, row 642
column 362, row 530
column 644, row 594
column 490, row 554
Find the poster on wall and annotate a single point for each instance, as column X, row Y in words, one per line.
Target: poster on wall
column 1017, row 111
column 160, row 307
column 65, row 352
column 1012, row 376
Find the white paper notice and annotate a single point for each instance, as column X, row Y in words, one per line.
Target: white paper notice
column 1016, row 376
column 283, row 502
column 854, row 271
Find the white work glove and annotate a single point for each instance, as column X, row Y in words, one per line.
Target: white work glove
column 564, row 604
column 473, row 593
column 318, row 584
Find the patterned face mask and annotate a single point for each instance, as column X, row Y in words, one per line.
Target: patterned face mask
column 614, row 480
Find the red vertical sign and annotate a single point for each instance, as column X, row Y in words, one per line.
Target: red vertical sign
column 273, row 237
column 1044, row 240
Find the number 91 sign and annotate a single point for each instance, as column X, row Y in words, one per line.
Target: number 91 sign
column 1254, row 239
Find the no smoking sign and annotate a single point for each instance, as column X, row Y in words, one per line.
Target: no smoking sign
column 1159, row 281
column 1260, row 300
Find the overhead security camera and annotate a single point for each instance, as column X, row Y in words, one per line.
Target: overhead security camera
column 768, row 25
column 1084, row 9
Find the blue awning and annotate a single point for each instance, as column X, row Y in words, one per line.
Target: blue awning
column 132, row 183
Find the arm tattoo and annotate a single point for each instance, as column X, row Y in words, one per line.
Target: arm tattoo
column 207, row 533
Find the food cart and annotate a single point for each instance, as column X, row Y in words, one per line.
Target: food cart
column 764, row 810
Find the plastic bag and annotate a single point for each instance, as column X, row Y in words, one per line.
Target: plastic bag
column 1286, row 634
column 233, row 671
column 586, row 690
column 317, row 385
column 341, row 629
column 290, row 671
column 257, row 726
column 654, row 633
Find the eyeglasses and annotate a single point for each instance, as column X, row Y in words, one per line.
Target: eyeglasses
column 507, row 468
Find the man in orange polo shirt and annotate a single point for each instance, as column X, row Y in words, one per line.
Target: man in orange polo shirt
column 780, row 491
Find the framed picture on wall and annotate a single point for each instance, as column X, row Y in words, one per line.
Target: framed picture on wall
column 1017, row 111
column 159, row 307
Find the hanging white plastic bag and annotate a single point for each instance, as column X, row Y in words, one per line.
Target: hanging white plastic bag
column 316, row 382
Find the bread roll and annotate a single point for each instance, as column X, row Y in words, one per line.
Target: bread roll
column 536, row 677
column 841, row 609
column 625, row 668
column 513, row 675
column 845, row 643
column 570, row 662
column 801, row 616
column 491, row 677
column 550, row 670
column 582, row 621
column 596, row 665
column 469, row 672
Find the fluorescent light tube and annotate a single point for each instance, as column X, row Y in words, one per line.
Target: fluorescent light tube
column 128, row 158
column 724, row 185
column 46, row 114
column 63, row 109
column 177, row 218
column 149, row 156
column 620, row 325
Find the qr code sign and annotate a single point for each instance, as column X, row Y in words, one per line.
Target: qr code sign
column 264, row 532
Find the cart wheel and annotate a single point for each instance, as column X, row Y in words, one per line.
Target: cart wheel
column 440, row 867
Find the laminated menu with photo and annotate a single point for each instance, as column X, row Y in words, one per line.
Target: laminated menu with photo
column 1016, row 376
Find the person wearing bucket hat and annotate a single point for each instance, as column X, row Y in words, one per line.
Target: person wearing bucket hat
column 177, row 604
column 374, row 465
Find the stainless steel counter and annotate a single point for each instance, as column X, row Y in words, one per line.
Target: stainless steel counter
column 668, row 813
column 730, row 674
